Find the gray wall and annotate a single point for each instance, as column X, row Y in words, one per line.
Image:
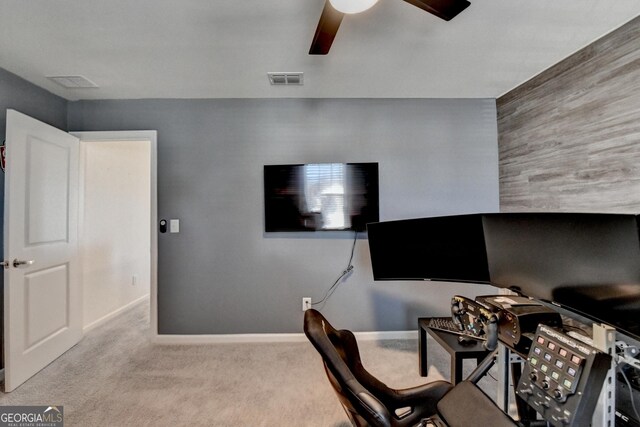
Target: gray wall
column 569, row 138
column 18, row 94
column 222, row 274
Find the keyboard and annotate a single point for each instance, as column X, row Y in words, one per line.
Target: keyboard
column 447, row 324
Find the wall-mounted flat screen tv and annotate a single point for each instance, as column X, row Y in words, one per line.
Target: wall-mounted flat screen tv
column 320, row 196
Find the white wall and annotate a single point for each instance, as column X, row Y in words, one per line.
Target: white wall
column 115, row 226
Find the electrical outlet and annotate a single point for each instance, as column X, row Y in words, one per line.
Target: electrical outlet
column 306, row 303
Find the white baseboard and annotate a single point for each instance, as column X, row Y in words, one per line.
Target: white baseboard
column 106, row 318
column 273, row 338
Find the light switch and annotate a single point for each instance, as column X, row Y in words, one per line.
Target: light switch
column 174, row 226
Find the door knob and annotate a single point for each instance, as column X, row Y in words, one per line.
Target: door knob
column 17, row 262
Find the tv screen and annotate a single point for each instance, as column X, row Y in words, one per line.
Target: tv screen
column 320, row 196
column 449, row 248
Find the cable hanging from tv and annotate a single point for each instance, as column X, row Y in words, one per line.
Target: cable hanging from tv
column 340, row 278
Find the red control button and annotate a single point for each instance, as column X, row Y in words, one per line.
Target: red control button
column 575, row 359
column 563, row 352
column 540, row 340
column 552, row 346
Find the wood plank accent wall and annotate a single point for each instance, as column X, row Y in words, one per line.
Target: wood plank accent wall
column 569, row 139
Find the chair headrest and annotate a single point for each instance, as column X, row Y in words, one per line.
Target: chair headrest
column 322, row 335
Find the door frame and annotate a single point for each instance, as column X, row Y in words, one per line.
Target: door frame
column 132, row 136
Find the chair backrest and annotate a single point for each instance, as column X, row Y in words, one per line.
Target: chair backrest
column 339, row 352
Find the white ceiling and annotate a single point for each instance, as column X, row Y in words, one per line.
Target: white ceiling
column 224, row 48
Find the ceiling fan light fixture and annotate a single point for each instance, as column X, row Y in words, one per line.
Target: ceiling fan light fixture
column 352, row 6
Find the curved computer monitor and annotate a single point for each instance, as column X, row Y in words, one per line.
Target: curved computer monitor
column 589, row 263
column 586, row 263
column 448, row 248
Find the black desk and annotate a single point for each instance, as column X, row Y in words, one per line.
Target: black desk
column 450, row 343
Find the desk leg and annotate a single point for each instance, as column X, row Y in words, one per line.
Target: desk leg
column 422, row 353
column 456, row 369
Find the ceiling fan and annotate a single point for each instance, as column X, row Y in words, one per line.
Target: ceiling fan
column 334, row 11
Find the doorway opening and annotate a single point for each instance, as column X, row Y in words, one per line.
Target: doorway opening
column 118, row 215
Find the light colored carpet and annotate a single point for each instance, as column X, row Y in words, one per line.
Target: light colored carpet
column 117, row 377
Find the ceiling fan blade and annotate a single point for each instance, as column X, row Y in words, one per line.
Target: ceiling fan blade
column 327, row 28
column 445, row 9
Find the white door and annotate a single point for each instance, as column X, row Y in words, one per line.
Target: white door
column 42, row 292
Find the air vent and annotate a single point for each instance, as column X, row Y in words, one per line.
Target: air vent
column 73, row 82
column 285, row 78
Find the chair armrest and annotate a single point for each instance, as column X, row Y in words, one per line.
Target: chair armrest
column 423, row 399
column 431, row 391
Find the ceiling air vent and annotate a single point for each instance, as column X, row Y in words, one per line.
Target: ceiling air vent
column 73, row 82
column 285, row 78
